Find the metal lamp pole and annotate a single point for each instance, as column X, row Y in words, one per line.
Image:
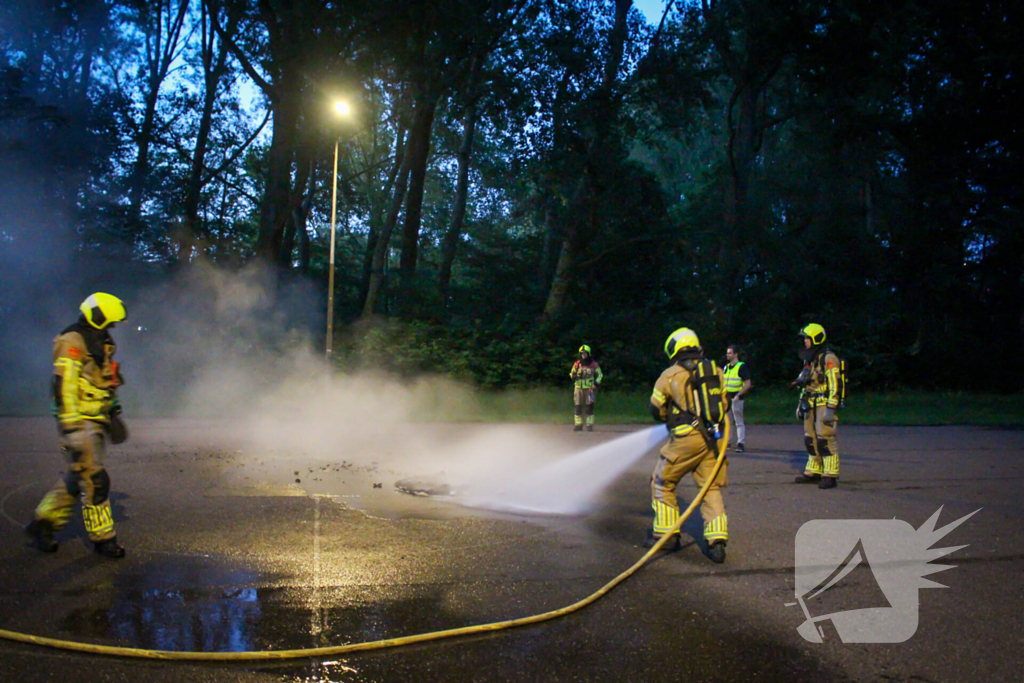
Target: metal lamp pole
column 342, row 109
column 330, row 276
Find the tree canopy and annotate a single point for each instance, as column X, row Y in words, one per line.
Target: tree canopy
column 518, row 177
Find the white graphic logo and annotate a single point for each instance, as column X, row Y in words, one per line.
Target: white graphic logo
column 883, row 561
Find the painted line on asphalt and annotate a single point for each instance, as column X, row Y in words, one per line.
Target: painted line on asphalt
column 318, row 610
column 3, row 504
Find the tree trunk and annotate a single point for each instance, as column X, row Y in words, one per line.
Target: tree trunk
column 418, row 154
column 276, row 205
column 304, row 242
column 551, row 215
column 161, row 55
column 380, row 254
column 137, row 181
column 299, row 216
column 451, row 237
column 296, row 217
column 559, row 291
column 605, row 109
column 214, row 69
column 377, row 221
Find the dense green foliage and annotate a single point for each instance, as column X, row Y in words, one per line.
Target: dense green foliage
column 518, row 177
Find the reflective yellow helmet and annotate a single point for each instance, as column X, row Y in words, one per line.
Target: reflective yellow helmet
column 585, row 348
column 101, row 310
column 683, row 338
column 814, row 332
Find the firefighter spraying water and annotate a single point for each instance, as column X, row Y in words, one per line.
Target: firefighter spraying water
column 689, row 397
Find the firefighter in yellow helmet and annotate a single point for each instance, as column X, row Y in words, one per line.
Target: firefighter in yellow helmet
column 85, row 382
column 820, row 383
column 586, row 375
column 692, row 443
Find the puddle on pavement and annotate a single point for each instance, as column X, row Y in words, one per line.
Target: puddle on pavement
column 200, row 605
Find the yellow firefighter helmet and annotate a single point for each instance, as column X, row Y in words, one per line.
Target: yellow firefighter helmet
column 585, row 348
column 814, row 332
column 102, row 310
column 683, row 338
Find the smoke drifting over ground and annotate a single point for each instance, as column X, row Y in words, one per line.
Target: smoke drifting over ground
column 244, row 351
column 269, row 380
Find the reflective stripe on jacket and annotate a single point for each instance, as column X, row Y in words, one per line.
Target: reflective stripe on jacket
column 85, row 387
column 824, row 386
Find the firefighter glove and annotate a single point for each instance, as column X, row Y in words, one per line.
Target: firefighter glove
column 118, row 430
column 829, row 418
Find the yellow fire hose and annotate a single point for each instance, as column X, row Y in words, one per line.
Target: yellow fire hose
column 377, row 644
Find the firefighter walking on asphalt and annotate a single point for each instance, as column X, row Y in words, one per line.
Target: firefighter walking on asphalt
column 695, row 436
column 85, row 382
column 586, row 375
column 821, row 387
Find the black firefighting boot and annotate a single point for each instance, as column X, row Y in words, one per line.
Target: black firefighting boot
column 828, row 483
column 109, row 548
column 716, row 552
column 577, row 428
column 40, row 533
column 590, row 428
column 674, row 544
column 807, row 478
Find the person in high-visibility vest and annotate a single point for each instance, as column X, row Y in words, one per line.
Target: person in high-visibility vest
column 85, row 382
column 821, row 391
column 586, row 375
column 737, row 384
column 691, row 446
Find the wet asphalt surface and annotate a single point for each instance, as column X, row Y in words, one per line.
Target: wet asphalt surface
column 227, row 551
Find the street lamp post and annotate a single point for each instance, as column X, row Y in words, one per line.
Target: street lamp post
column 342, row 109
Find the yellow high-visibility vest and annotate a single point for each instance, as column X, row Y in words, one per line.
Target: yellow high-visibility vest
column 733, row 383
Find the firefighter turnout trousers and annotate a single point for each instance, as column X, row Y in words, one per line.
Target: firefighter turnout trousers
column 820, row 440
column 84, row 449
column 583, row 408
column 683, row 455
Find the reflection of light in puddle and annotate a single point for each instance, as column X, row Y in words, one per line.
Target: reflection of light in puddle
column 325, row 672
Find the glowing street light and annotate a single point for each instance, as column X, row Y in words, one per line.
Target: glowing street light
column 342, row 109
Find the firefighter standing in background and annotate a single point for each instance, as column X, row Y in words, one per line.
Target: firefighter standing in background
column 587, row 375
column 85, row 381
column 689, row 447
column 820, row 383
column 737, row 384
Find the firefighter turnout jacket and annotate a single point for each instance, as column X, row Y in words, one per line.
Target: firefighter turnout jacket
column 587, row 375
column 824, row 383
column 85, row 376
column 687, row 452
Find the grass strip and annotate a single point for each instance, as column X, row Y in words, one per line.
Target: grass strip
column 764, row 406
